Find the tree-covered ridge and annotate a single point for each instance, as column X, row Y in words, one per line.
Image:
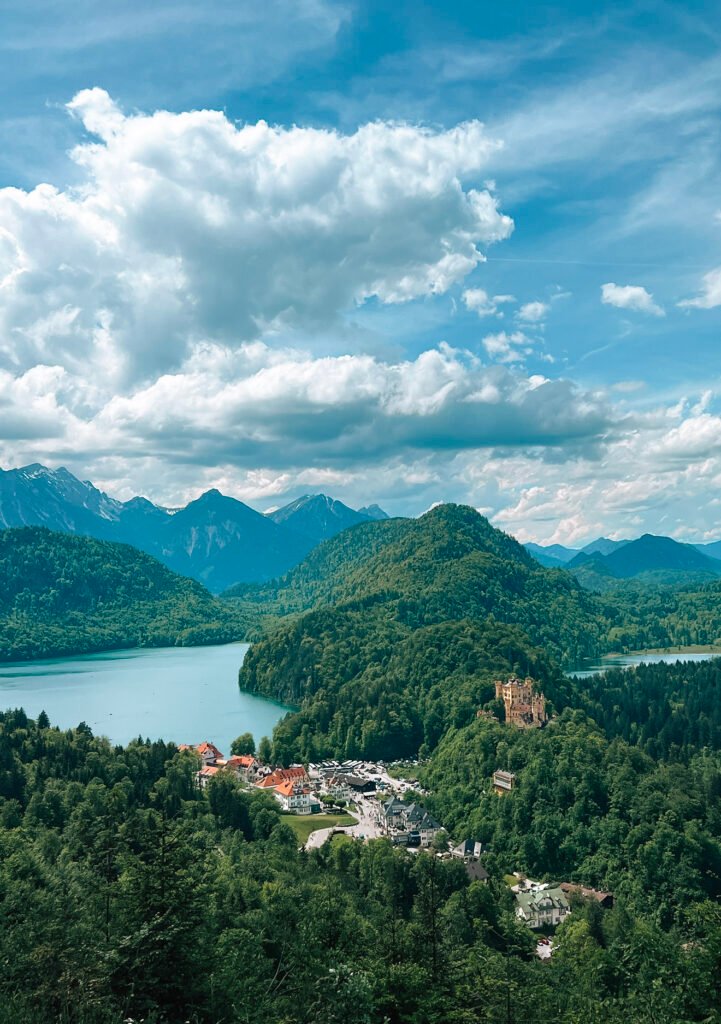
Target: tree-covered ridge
column 358, row 610
column 649, row 616
column 446, row 591
column 596, row 810
column 64, row 594
column 369, row 686
column 128, row 893
column 323, row 577
column 670, row 711
column 448, row 564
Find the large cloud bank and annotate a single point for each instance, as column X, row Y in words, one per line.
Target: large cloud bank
column 186, row 228
column 160, row 323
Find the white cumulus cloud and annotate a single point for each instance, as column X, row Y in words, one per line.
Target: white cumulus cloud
column 533, row 312
column 630, row 296
column 480, row 302
column 508, row 347
column 187, row 228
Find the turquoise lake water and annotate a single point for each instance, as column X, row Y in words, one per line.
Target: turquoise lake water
column 184, row 694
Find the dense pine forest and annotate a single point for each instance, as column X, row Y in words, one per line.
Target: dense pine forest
column 62, row 594
column 127, row 893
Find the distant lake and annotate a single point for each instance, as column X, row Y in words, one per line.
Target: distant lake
column 184, row 694
column 629, row 660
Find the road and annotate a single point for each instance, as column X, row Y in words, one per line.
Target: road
column 366, row 828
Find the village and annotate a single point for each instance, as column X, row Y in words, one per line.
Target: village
column 382, row 804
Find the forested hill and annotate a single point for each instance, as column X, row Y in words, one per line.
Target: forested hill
column 425, row 612
column 448, row 565
column 622, row 790
column 64, row 594
column 328, row 575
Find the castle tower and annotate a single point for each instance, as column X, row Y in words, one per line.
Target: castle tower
column 525, row 708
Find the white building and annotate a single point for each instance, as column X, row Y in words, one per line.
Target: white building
column 542, row 908
column 294, row 798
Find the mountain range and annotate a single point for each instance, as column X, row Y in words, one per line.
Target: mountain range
column 222, row 542
column 649, row 558
column 555, row 555
column 215, row 539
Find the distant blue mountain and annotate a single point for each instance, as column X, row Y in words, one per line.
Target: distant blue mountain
column 603, row 546
column 713, row 550
column 551, row 555
column 604, row 559
column 647, row 554
column 215, row 539
column 319, row 517
column 373, row 512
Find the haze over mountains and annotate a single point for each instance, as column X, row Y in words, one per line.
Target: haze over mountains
column 215, row 539
column 221, row 541
column 650, row 558
column 555, row 555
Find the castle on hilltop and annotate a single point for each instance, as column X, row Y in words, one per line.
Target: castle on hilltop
column 525, row 708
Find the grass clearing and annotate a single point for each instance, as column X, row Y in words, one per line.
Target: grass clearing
column 304, row 824
column 340, row 839
column 404, row 770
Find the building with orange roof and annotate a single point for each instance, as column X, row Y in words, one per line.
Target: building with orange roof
column 206, row 773
column 209, row 753
column 296, row 774
column 296, row 798
column 243, row 765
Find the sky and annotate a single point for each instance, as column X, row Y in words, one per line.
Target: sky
column 398, row 253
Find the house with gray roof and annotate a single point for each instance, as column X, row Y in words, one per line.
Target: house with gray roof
column 408, row 824
column 543, row 907
column 469, row 851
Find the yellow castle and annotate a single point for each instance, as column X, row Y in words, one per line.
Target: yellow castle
column 525, row 708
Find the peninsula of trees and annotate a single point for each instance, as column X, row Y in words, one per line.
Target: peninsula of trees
column 63, row 594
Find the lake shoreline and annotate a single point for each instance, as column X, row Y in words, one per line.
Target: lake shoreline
column 178, row 694
column 710, row 649
column 48, row 659
column 84, row 652
column 652, row 656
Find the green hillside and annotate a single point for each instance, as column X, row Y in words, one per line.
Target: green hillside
column 410, row 621
column 64, row 594
column 391, row 632
column 448, row 565
column 327, row 574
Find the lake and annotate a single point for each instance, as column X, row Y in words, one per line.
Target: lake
column 629, row 660
column 185, row 694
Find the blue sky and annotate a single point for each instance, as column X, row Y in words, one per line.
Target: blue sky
column 565, row 380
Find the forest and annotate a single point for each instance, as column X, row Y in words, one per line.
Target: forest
column 392, row 632
column 128, row 894
column 621, row 791
column 65, row 594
